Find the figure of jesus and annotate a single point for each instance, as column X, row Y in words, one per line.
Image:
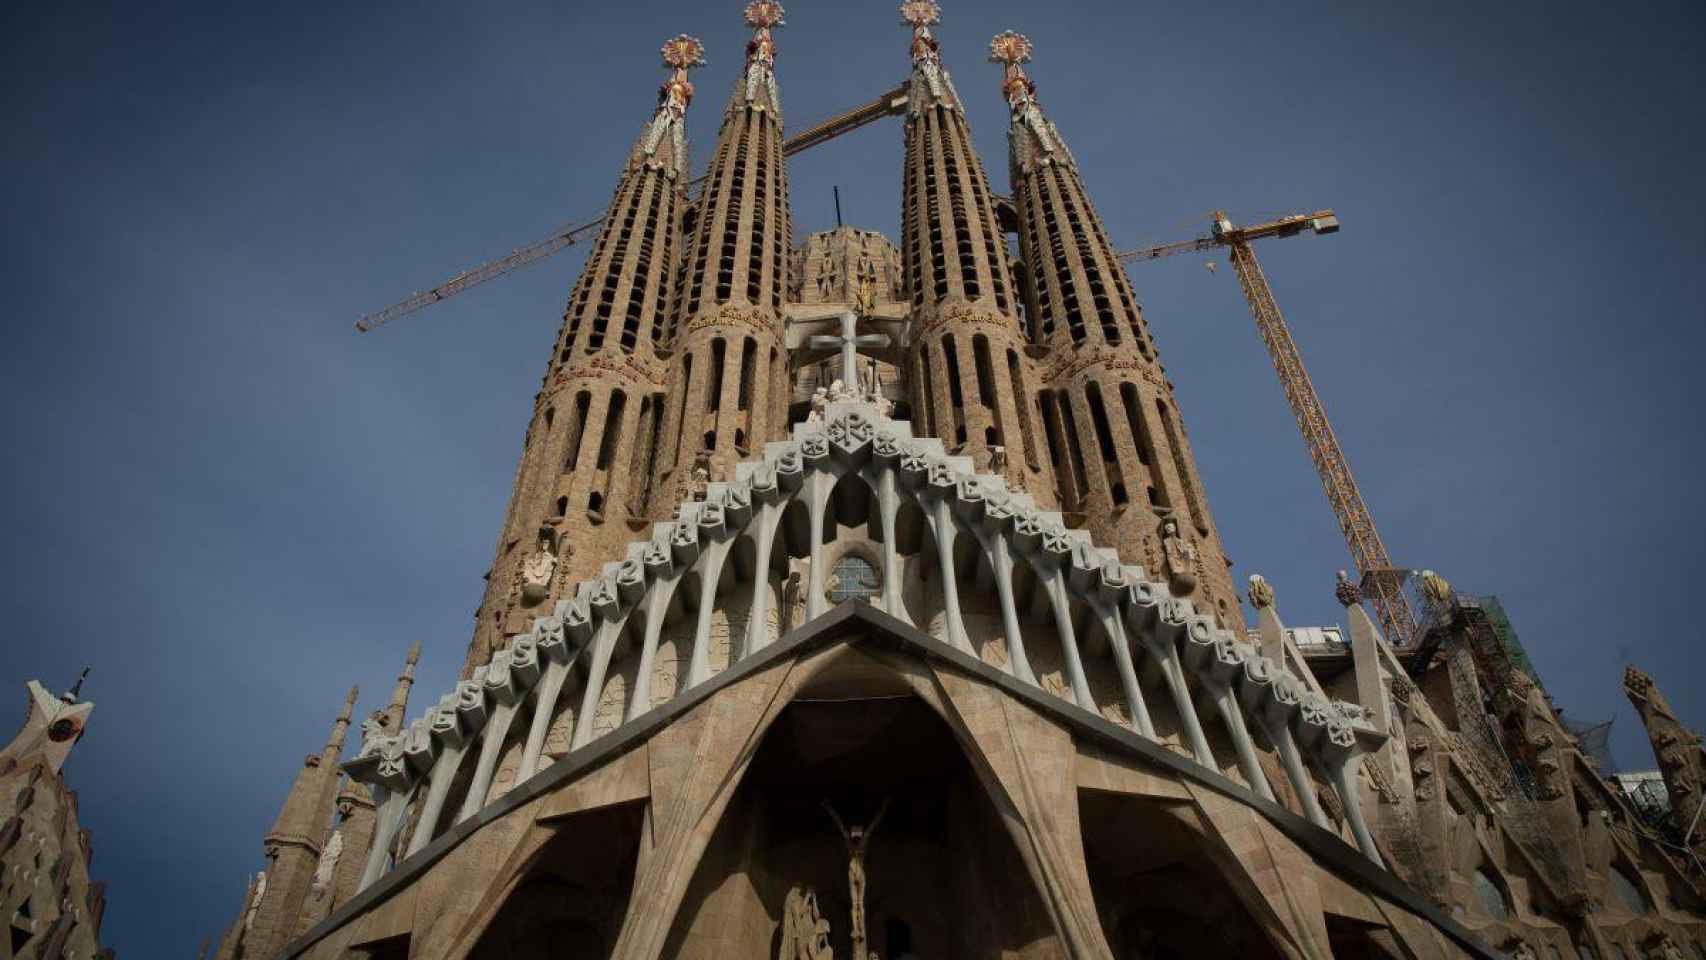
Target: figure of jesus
column 857, row 839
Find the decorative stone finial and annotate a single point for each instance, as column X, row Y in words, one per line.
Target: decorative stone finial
column 1347, row 591
column 1261, row 594
column 921, row 13
column 1436, row 589
column 764, row 14
column 682, row 52
column 1010, row 49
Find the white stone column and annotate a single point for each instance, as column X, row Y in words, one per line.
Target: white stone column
column 660, row 593
column 1301, row 783
column 1158, row 629
column 1117, row 639
column 1054, row 581
column 818, row 487
column 544, row 708
column 711, row 560
column 438, row 789
column 943, row 526
column 491, row 744
column 888, row 505
column 1248, row 763
column 603, row 646
column 763, row 529
column 393, row 803
column 1000, row 554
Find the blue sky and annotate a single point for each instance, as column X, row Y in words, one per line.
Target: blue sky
column 233, row 506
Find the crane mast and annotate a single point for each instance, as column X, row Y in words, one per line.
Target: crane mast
column 1381, row 583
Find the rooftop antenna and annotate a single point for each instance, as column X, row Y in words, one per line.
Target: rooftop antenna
column 837, row 190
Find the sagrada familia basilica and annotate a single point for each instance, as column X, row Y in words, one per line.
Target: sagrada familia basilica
column 857, row 601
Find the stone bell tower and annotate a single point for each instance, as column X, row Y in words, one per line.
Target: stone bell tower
column 971, row 375
column 1112, row 425
column 587, row 463
column 728, row 372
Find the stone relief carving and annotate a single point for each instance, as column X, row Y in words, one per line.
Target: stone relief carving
column 537, row 571
column 1180, row 557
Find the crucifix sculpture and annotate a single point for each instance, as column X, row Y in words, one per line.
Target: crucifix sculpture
column 857, row 839
column 848, row 342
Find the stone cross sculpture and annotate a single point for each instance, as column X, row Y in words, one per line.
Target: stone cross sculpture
column 857, row 838
column 848, row 342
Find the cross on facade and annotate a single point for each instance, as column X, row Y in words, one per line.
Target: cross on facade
column 848, row 342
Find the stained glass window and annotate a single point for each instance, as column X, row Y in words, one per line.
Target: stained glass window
column 854, row 577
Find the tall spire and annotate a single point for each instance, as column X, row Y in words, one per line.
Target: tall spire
column 970, row 368
column 728, row 374
column 294, row 843
column 400, row 696
column 930, row 84
column 757, row 88
column 667, row 133
column 1041, row 142
column 1115, row 437
column 340, row 727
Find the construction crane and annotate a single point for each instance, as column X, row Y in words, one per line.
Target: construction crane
column 1380, row 582
column 891, row 103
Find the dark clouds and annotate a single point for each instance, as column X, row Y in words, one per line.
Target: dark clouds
column 233, row 506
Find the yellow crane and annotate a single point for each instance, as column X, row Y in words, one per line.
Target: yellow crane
column 1380, row 581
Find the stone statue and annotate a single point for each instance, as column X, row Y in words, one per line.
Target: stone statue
column 255, row 901
column 1180, row 557
column 537, row 571
column 820, row 403
column 838, row 390
column 857, row 838
column 805, row 933
column 328, row 865
column 998, row 460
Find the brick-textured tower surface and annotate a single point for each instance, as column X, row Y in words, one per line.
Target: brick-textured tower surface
column 728, row 372
column 971, row 375
column 50, row 906
column 1678, row 750
column 293, row 849
column 1112, row 425
column 586, row 464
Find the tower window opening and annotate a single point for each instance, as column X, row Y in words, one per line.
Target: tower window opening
column 952, row 357
column 1073, row 451
column 985, row 370
column 577, row 428
column 1134, row 422
column 748, row 358
column 681, row 410
column 1022, row 403
column 714, row 386
column 612, row 429
column 1052, row 435
column 1105, row 442
column 1181, row 463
